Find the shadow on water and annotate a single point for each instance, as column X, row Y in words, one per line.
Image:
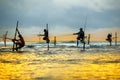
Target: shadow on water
column 115, row 61
column 17, row 52
column 42, row 78
column 47, row 78
column 108, row 61
column 59, row 61
column 7, row 61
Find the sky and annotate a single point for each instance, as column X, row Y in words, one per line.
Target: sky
column 63, row 16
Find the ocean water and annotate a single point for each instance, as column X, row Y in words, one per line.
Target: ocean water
column 64, row 44
column 99, row 61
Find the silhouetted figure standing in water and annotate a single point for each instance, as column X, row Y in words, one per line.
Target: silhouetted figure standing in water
column 80, row 36
column 109, row 38
column 19, row 42
column 46, row 37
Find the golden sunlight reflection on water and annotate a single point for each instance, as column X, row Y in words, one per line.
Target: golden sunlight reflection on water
column 75, row 66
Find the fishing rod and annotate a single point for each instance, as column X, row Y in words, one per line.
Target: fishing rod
column 85, row 24
column 48, row 35
column 15, row 36
column 84, row 32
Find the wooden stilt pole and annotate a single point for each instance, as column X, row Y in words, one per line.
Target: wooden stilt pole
column 48, row 35
column 84, row 45
column 14, row 44
column 55, row 41
column 77, row 43
column 4, row 38
column 88, row 38
column 48, row 46
column 110, row 43
column 115, row 38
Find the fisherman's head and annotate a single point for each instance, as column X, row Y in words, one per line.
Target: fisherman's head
column 45, row 30
column 81, row 29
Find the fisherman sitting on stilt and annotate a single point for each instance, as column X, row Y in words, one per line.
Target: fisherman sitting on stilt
column 80, row 36
column 109, row 38
column 19, row 42
column 46, row 37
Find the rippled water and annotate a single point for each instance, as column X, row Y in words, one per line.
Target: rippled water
column 61, row 63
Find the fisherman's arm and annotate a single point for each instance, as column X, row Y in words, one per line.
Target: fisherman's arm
column 14, row 40
column 41, row 35
column 75, row 33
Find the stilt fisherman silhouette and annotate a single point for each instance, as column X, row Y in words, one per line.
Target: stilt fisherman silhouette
column 46, row 37
column 80, row 36
column 19, row 42
column 109, row 38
